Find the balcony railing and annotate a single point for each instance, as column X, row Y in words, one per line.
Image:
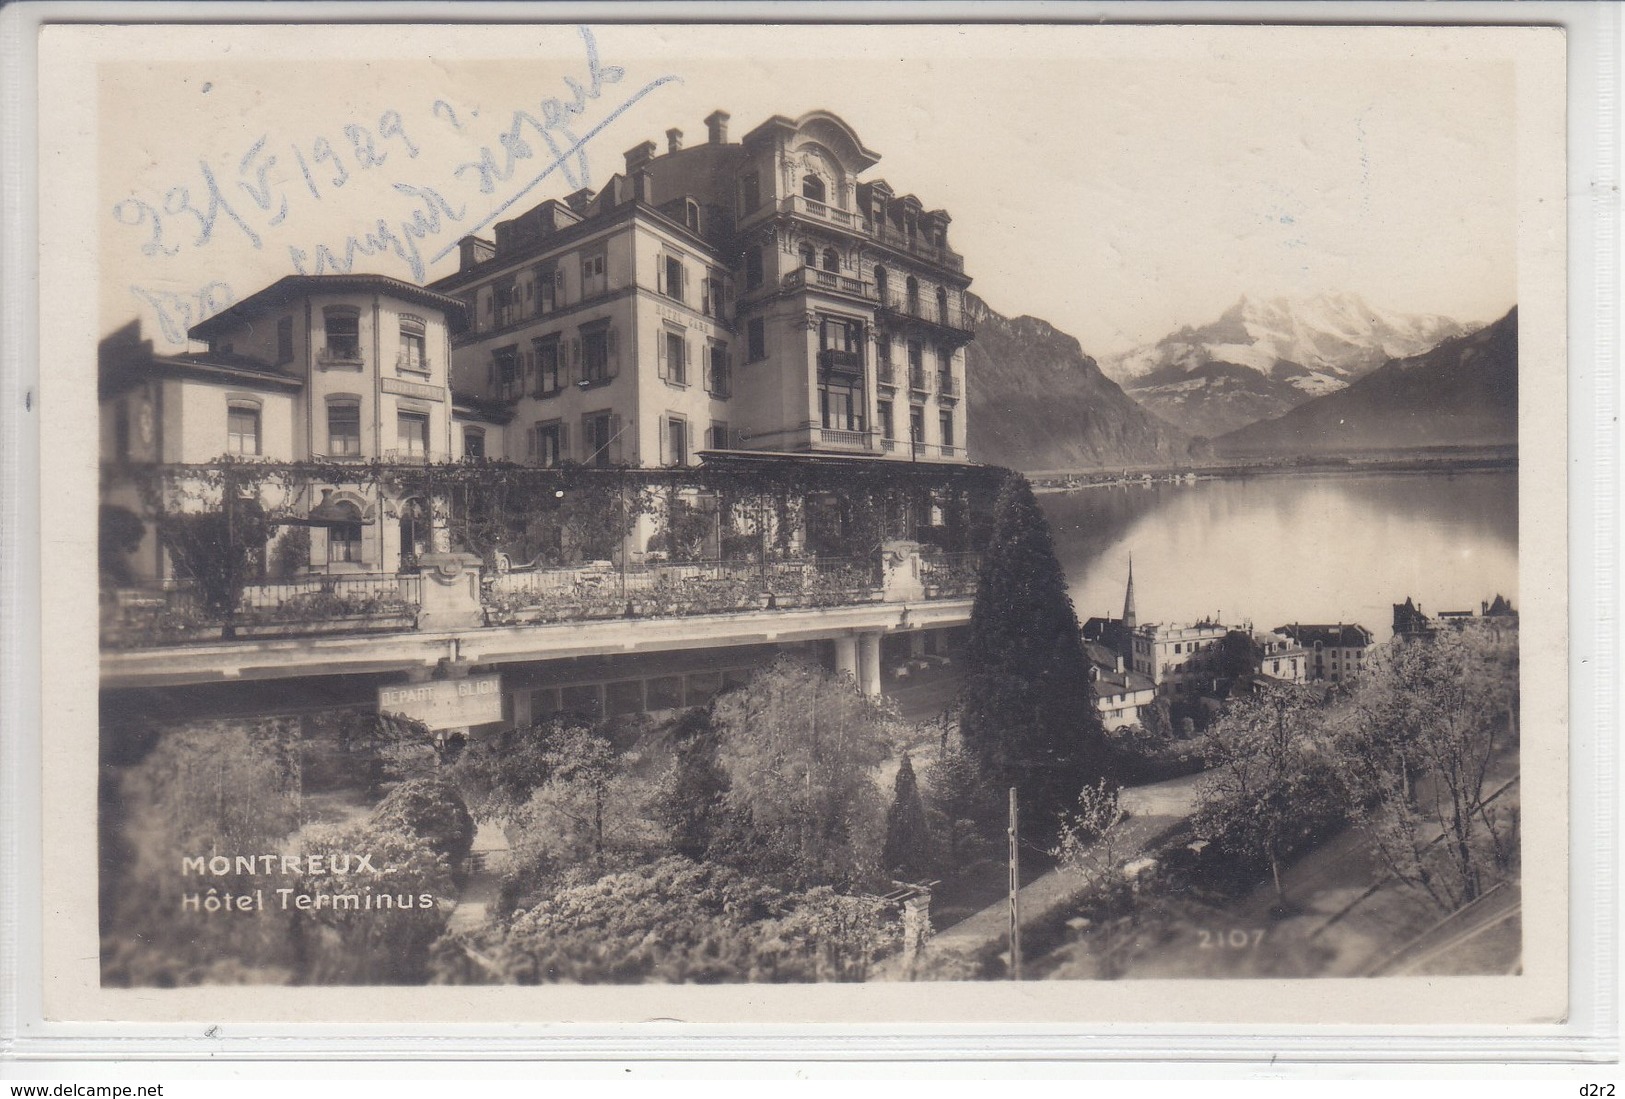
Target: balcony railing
column 886, row 374
column 317, row 604
column 814, row 278
column 947, row 385
column 413, row 365
column 846, row 440
column 896, row 238
column 834, row 215
column 407, row 457
column 348, row 357
column 917, row 380
column 833, row 358
column 941, row 314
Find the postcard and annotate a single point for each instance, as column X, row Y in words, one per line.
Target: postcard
column 862, row 524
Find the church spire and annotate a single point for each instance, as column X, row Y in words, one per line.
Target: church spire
column 1129, row 617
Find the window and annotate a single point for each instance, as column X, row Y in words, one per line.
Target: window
column 548, row 378
column 718, row 439
column 691, row 215
column 945, row 423
column 343, row 334
column 344, row 537
column 718, row 380
column 832, row 260
column 284, row 340
column 753, row 269
column 676, row 434
column 911, row 288
column 550, row 443
column 880, row 282
column 593, row 279
column 596, row 365
column 474, row 444
column 505, row 297
column 916, row 364
column 549, row 288
column 916, row 426
column 711, row 297
column 841, row 404
column 344, row 427
column 812, row 187
column 414, row 354
column 886, row 429
column 674, row 278
column 412, row 434
column 809, row 256
column 750, row 192
column 674, row 358
column 839, row 334
column 756, row 339
column 506, row 369
column 599, row 439
column 942, row 304
column 242, row 429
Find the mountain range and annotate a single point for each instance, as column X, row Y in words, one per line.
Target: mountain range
column 1462, row 392
column 1036, row 401
column 1265, row 356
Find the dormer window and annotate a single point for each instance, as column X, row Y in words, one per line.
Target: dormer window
column 691, row 215
column 812, row 187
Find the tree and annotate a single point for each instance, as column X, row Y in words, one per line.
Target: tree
column 119, row 534
column 1272, row 784
column 1090, row 844
column 432, row 810
column 1239, row 655
column 590, row 811
column 692, row 803
column 800, row 747
column 1429, row 721
column 674, row 921
column 907, row 854
column 221, row 550
column 1028, row 712
column 290, row 553
column 963, row 813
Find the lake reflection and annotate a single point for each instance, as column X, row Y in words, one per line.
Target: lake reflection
column 1336, row 547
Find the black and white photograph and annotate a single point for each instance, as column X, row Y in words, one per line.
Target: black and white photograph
column 982, row 510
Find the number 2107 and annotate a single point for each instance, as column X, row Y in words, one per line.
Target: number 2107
column 1235, row 939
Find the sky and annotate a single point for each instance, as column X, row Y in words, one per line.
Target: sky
column 1119, row 183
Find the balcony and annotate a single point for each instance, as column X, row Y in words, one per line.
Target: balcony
column 947, row 387
column 406, row 364
column 340, row 358
column 917, row 380
column 813, row 278
column 931, row 253
column 850, row 362
column 886, row 374
column 829, row 215
column 833, row 438
column 929, row 312
column 406, row 457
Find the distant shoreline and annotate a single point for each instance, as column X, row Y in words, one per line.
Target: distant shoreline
column 1428, row 460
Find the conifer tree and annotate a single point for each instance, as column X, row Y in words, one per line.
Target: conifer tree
column 907, row 853
column 1028, row 713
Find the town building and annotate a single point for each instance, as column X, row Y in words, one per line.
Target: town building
column 1122, row 696
column 644, row 436
column 1497, row 615
column 1178, row 659
column 749, row 295
column 1281, row 657
column 1336, row 653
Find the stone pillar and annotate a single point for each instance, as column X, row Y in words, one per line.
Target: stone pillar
column 916, row 929
column 869, row 663
column 916, row 643
column 846, row 656
column 450, row 586
column 901, row 577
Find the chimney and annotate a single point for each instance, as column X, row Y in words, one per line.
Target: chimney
column 472, row 251
column 579, row 200
column 642, row 186
column 639, row 155
column 674, row 139
column 1119, row 663
column 716, row 127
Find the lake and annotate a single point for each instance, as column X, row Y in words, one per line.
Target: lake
column 1279, row 548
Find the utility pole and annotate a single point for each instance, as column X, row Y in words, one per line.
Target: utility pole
column 1015, row 893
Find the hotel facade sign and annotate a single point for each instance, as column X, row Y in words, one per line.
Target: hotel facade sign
column 446, row 703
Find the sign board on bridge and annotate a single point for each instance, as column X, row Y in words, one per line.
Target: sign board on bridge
column 446, row 703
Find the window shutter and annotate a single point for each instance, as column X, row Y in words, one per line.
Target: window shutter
column 564, row 440
column 575, row 359
column 688, row 359
column 530, row 443
column 687, row 430
column 665, row 441
column 615, row 439
column 660, row 275
column 660, row 356
column 612, row 344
